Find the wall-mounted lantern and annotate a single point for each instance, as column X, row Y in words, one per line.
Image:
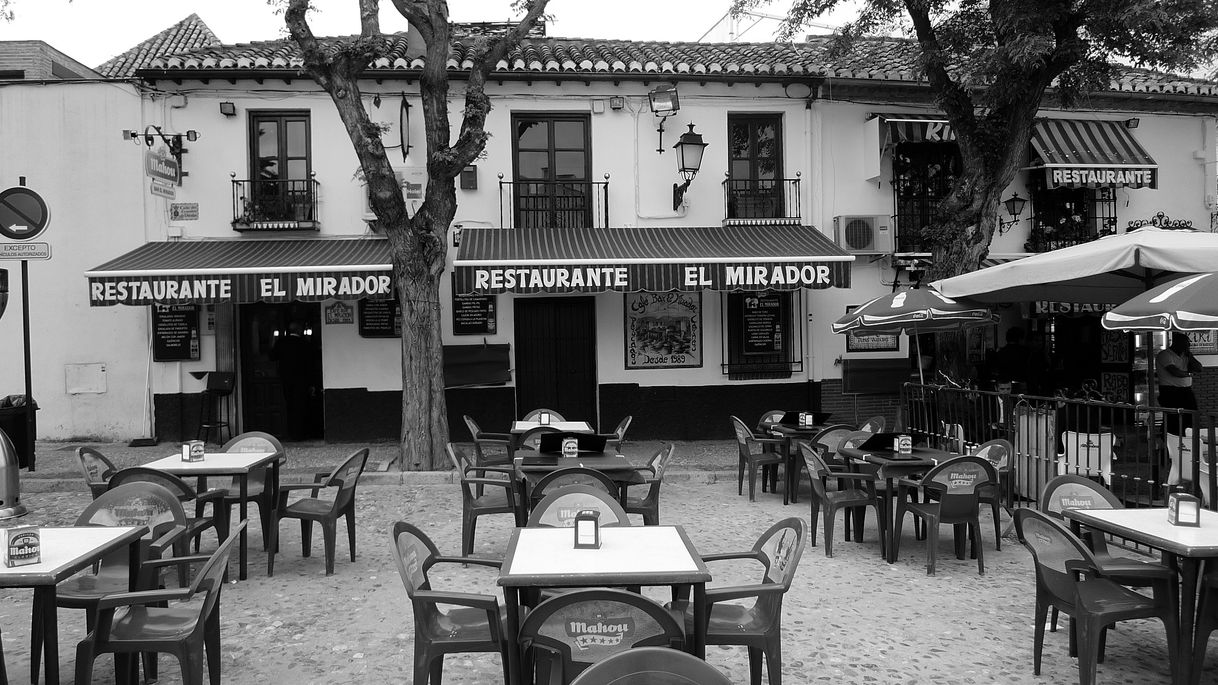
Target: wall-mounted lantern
column 689, row 149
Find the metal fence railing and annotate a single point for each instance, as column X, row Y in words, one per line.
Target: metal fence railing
column 1141, row 453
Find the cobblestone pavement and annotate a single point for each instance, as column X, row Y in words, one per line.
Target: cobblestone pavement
column 849, row 619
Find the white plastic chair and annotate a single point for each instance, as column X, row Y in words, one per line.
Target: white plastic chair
column 1087, row 454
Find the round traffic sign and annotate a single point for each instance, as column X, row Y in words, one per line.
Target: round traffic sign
column 23, row 213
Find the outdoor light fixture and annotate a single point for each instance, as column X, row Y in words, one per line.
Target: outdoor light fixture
column 664, row 103
column 617, row 102
column 228, row 109
column 1132, row 123
column 689, row 149
column 1014, row 205
column 172, row 140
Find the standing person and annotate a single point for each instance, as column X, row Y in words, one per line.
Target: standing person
column 1174, row 368
column 291, row 351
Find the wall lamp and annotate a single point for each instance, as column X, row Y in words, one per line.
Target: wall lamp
column 1014, row 205
column 689, row 149
column 1132, row 123
column 228, row 109
column 664, row 103
column 173, row 141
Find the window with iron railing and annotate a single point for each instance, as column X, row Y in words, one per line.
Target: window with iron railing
column 552, row 174
column 756, row 200
column 280, row 192
column 922, row 176
column 1062, row 217
column 760, row 339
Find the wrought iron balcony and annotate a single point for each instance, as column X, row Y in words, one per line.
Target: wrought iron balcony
column 275, row 205
column 554, row 204
column 1046, row 236
column 755, row 201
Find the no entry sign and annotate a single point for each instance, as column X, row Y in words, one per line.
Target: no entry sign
column 23, row 213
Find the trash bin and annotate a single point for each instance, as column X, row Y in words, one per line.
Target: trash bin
column 12, row 422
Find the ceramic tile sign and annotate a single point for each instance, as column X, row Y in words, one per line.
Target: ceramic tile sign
column 663, row 330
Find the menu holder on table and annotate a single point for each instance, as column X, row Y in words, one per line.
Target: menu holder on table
column 22, row 546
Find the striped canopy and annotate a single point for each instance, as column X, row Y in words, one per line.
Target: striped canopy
column 1185, row 304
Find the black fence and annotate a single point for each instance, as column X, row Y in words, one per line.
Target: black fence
column 761, row 199
column 277, row 204
column 554, row 204
column 1141, row 453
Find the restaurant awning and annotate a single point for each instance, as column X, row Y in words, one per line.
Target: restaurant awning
column 1076, row 153
column 241, row 270
column 903, row 127
column 559, row 260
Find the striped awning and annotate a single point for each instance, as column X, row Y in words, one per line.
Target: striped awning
column 239, row 270
column 1076, row 153
column 914, row 128
column 557, row 260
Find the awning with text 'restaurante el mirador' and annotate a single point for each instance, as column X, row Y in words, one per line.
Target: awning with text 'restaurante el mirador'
column 658, row 259
column 241, row 270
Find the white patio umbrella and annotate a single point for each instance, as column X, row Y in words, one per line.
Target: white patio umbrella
column 1109, row 270
column 1185, row 304
column 920, row 310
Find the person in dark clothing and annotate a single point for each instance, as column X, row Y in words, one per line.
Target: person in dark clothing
column 294, row 353
column 1174, row 368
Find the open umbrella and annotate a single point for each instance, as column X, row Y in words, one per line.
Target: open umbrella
column 1111, row 269
column 920, row 310
column 1185, row 304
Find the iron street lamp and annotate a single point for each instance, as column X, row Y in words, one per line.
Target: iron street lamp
column 689, row 149
column 1014, row 205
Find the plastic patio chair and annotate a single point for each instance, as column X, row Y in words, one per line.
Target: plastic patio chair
column 569, row 632
column 618, row 436
column 185, row 629
column 485, row 442
column 953, row 489
column 502, row 498
column 1094, row 604
column 757, row 626
column 875, row 424
column 1087, row 454
column 445, row 622
column 998, row 452
column 136, row 503
column 96, row 468
column 572, row 475
column 558, row 509
column 324, row 511
column 854, row 493
column 1207, row 621
column 259, row 487
column 536, row 413
column 195, row 525
column 647, row 505
column 751, row 460
column 652, row 666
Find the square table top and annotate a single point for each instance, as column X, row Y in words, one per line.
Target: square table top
column 566, row 426
column 1149, row 526
column 598, row 461
column 214, row 463
column 642, row 555
column 66, row 550
column 921, row 457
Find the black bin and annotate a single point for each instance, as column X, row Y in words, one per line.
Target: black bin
column 12, row 422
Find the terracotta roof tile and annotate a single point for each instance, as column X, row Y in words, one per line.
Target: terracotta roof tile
column 875, row 59
column 185, row 36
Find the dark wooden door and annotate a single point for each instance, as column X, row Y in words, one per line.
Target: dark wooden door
column 281, row 375
column 556, row 356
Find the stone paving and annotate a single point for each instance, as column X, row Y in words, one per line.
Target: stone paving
column 849, row 619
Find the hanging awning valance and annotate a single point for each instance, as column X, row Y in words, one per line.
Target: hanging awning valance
column 239, row 270
column 914, row 128
column 658, row 259
column 1077, row 153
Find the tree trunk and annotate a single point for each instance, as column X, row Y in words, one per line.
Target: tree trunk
column 424, row 409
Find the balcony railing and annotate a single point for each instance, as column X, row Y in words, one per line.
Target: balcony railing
column 753, row 201
column 275, row 205
column 554, row 204
column 1045, row 236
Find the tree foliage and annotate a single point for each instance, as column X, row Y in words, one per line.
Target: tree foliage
column 417, row 242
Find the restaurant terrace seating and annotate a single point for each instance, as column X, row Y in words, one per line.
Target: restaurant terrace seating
column 96, row 468
column 756, row 626
column 567, row 632
column 751, row 460
column 129, row 623
column 618, row 436
column 343, row 480
column 490, row 449
column 998, row 452
column 647, row 505
column 1094, row 604
column 195, row 525
column 502, row 497
column 850, row 491
column 535, row 415
column 953, row 488
column 1087, row 454
column 571, row 475
column 557, row 509
column 652, row 666
column 260, row 488
column 875, row 424
column 445, row 621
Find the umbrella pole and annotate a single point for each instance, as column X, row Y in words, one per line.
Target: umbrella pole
column 918, row 346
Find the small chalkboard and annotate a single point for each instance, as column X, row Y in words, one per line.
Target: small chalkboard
column 763, row 315
column 474, row 314
column 380, row 319
column 175, row 332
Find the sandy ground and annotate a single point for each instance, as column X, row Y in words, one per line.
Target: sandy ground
column 849, row 619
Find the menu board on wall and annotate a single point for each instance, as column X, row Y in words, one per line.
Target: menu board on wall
column 474, row 314
column 175, row 332
column 379, row 319
column 763, row 323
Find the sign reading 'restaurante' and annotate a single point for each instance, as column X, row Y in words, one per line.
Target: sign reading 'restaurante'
column 651, row 277
column 1097, row 177
column 221, row 288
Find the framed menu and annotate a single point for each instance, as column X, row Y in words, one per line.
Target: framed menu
column 379, row 319
column 474, row 314
column 175, row 332
column 762, row 319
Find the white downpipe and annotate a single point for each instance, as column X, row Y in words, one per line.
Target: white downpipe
column 638, row 203
column 810, row 369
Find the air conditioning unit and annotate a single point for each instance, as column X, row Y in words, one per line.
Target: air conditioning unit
column 863, row 234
